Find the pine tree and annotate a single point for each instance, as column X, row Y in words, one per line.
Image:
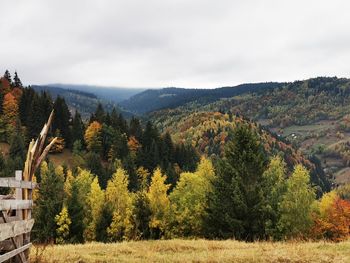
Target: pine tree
column 235, row 208
column 48, row 204
column 41, row 109
column 77, row 128
column 142, row 214
column 26, row 105
column 99, row 114
column 16, row 81
column 17, row 146
column 104, row 221
column 7, row 76
column 135, row 128
column 61, row 120
column 93, row 163
column 76, row 212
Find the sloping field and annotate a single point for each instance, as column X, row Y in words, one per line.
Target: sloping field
column 195, row 251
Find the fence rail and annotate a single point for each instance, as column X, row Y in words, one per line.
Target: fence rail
column 15, row 219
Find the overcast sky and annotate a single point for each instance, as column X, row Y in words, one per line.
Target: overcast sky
column 184, row 43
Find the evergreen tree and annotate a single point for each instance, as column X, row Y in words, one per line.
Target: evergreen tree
column 104, row 221
column 99, row 114
column 41, row 109
column 167, row 149
column 93, row 162
column 142, row 214
column 128, row 164
column 17, row 146
column 26, row 105
column 236, row 206
column 135, row 128
column 7, row 76
column 114, row 119
column 16, row 81
column 76, row 212
column 48, row 204
column 61, row 120
column 77, row 128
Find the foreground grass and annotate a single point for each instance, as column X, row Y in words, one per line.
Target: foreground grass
column 195, row 251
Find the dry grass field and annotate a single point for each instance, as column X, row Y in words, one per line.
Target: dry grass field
column 195, row 251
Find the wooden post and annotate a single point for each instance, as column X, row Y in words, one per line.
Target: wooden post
column 19, row 212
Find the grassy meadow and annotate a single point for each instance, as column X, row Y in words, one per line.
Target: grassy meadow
column 194, row 251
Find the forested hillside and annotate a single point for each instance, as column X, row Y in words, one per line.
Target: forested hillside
column 313, row 115
column 151, row 100
column 111, row 94
column 83, row 102
column 180, row 173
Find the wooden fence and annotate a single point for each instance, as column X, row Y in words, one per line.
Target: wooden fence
column 16, row 219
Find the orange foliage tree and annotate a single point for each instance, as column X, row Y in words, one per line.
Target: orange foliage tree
column 335, row 223
column 133, row 144
column 10, row 110
column 93, row 137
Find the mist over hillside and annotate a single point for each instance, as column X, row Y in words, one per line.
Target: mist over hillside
column 114, row 94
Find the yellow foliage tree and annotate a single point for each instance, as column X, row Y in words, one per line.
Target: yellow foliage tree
column 143, row 175
column 63, row 222
column 68, row 184
column 120, row 201
column 95, row 200
column 188, row 201
column 326, row 203
column 159, row 201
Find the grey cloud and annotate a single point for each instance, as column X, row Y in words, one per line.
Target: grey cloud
column 191, row 43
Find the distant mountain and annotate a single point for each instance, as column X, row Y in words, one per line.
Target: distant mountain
column 113, row 94
column 313, row 115
column 152, row 99
column 82, row 101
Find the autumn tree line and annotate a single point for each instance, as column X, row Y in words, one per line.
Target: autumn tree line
column 129, row 182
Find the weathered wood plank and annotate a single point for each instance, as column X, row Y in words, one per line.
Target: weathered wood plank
column 15, row 204
column 6, row 245
column 10, row 219
column 13, row 183
column 15, row 228
column 14, row 252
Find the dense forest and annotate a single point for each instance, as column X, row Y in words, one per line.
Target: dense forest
column 213, row 174
column 153, row 99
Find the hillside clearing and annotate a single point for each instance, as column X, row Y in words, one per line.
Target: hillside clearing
column 195, row 251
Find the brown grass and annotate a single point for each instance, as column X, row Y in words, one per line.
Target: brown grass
column 196, row 251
